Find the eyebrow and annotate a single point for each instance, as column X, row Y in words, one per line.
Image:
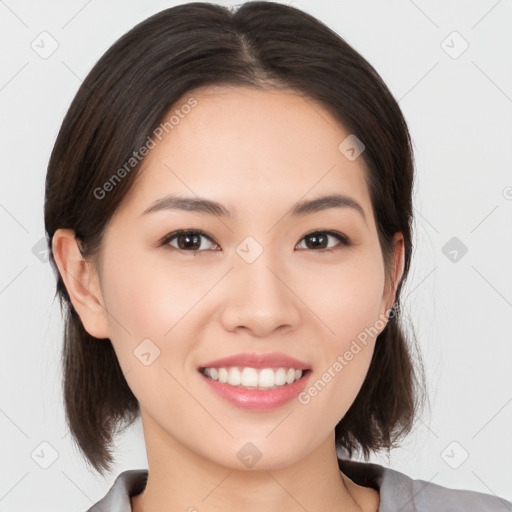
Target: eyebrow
column 203, row 205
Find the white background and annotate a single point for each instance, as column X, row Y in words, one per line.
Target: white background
column 459, row 112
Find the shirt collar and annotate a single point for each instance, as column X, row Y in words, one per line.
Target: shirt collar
column 393, row 487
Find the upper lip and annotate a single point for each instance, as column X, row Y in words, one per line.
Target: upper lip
column 254, row 360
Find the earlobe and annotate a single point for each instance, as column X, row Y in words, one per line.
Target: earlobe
column 81, row 282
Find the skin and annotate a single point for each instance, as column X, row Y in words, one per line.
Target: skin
column 257, row 153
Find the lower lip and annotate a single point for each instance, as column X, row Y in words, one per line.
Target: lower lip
column 258, row 399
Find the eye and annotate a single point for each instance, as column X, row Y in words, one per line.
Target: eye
column 188, row 240
column 197, row 241
column 319, row 239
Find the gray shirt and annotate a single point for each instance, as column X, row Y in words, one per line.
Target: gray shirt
column 398, row 492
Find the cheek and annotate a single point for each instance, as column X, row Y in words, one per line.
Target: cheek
column 151, row 301
column 146, row 296
column 346, row 297
column 347, row 302
column 145, row 303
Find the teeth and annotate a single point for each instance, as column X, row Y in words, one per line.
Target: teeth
column 253, row 378
column 249, row 378
column 223, row 375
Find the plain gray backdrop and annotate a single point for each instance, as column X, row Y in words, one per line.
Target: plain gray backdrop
column 449, row 65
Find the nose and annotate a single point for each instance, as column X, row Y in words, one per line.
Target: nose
column 259, row 298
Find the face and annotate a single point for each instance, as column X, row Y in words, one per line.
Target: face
column 258, row 278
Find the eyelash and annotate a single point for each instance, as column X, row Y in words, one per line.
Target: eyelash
column 165, row 241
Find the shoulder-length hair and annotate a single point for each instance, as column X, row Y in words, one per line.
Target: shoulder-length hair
column 123, row 101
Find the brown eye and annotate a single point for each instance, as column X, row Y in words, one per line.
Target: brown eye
column 192, row 241
column 319, row 240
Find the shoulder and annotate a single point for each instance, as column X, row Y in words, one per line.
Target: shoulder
column 422, row 496
column 400, row 492
column 127, row 484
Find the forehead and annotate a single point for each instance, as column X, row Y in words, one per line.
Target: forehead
column 237, row 144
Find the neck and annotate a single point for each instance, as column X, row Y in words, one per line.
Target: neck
column 179, row 479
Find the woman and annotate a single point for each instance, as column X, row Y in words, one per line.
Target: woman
column 228, row 209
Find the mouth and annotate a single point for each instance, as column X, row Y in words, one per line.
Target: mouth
column 247, row 377
column 256, row 382
column 255, row 389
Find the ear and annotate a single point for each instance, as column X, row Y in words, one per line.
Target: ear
column 397, row 270
column 82, row 283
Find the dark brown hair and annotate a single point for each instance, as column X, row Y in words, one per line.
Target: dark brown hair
column 125, row 98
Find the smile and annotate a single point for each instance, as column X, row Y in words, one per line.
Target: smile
column 280, row 385
column 253, row 378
